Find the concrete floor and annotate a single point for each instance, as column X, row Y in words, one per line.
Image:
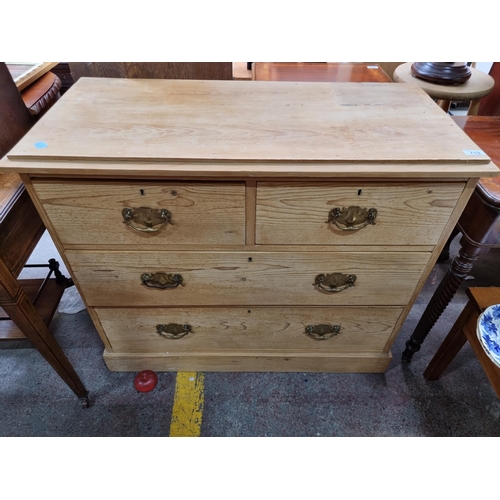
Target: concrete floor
column 35, row 402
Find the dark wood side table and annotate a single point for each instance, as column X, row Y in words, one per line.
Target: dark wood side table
column 26, row 306
column 319, row 72
column 464, row 330
column 479, row 225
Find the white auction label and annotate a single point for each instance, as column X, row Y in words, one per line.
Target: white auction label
column 474, row 152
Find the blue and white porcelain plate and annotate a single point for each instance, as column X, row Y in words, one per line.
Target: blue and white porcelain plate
column 488, row 332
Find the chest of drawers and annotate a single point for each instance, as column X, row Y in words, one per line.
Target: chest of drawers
column 248, row 226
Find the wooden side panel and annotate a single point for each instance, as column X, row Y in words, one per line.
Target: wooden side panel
column 91, row 213
column 20, row 231
column 113, row 279
column 297, row 213
column 266, row 329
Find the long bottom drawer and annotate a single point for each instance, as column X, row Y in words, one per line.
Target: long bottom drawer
column 255, row 330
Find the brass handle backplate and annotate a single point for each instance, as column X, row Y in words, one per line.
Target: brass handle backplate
column 352, row 218
column 334, row 282
column 146, row 219
column 173, row 330
column 322, row 332
column 161, row 280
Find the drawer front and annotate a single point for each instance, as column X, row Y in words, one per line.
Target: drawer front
column 193, row 212
column 297, row 213
column 239, row 278
column 259, row 329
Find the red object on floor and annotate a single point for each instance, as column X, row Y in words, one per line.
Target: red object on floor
column 145, row 381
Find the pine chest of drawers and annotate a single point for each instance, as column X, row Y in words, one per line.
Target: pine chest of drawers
column 248, row 226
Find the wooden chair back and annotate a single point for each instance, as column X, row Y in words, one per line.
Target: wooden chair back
column 15, row 118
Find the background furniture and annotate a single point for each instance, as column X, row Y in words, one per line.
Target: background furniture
column 465, row 330
column 479, row 225
column 241, row 72
column 24, row 74
column 218, row 255
column 63, row 72
column 26, row 306
column 490, row 105
column 171, row 70
column 319, row 72
column 478, row 86
column 39, row 87
column 42, row 94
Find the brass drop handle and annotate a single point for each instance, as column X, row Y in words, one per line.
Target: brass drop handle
column 334, row 282
column 322, row 332
column 173, row 330
column 352, row 218
column 147, row 218
column 162, row 280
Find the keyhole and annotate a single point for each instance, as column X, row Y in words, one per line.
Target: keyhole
column 142, row 192
column 249, row 259
column 359, row 192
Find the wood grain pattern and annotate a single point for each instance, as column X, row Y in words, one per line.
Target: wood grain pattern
column 324, row 138
column 250, row 362
column 297, row 213
column 112, row 279
column 154, row 120
column 266, row 329
column 202, row 213
column 179, row 70
column 318, row 72
column 332, row 171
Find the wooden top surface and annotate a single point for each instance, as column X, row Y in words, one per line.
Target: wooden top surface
column 479, row 85
column 319, row 72
column 233, row 122
column 485, row 132
column 484, row 296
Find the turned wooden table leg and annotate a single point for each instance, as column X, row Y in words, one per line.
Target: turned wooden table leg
column 458, row 271
column 450, row 347
column 445, row 252
column 23, row 313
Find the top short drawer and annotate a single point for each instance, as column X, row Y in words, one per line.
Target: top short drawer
column 194, row 213
column 303, row 213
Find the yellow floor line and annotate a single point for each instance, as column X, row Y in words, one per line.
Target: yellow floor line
column 187, row 411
